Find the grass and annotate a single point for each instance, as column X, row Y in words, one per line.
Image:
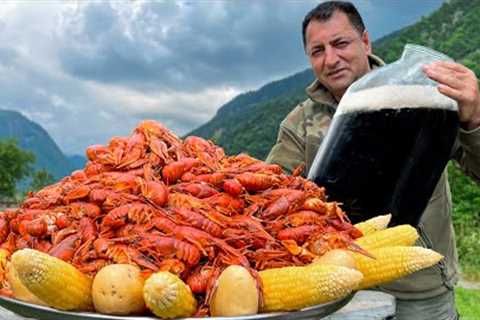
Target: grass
column 466, row 207
column 468, row 246
column 468, row 303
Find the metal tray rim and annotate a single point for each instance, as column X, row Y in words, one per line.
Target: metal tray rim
column 30, row 310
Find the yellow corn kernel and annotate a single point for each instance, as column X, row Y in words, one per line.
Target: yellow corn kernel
column 54, row 281
column 374, row 224
column 403, row 235
column 392, row 263
column 293, row 288
column 168, row 296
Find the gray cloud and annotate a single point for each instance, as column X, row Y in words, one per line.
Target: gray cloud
column 172, row 45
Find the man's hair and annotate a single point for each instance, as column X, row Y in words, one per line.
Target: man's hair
column 324, row 11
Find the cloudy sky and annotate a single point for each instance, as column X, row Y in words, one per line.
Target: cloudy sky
column 90, row 70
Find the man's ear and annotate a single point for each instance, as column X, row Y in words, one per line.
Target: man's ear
column 366, row 42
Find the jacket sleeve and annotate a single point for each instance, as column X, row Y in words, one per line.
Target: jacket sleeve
column 289, row 150
column 467, row 152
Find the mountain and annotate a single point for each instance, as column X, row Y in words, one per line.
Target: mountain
column 452, row 29
column 76, row 161
column 31, row 136
column 249, row 123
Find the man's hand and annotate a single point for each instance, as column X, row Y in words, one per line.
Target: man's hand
column 459, row 83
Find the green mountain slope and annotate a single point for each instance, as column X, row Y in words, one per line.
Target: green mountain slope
column 249, row 123
column 30, row 136
column 453, row 29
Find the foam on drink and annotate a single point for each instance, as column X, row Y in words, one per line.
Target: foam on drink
column 395, row 97
column 386, row 150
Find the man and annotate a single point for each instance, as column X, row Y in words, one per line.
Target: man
column 339, row 50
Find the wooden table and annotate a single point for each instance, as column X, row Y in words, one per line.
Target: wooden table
column 365, row 305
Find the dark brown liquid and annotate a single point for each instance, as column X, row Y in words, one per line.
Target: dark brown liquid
column 388, row 160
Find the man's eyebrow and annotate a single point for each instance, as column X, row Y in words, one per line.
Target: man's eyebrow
column 336, row 39
column 317, row 45
column 339, row 38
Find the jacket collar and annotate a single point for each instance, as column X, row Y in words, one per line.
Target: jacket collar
column 318, row 93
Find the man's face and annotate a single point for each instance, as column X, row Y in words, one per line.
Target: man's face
column 337, row 52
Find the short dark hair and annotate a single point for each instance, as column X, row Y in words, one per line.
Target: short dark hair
column 324, row 12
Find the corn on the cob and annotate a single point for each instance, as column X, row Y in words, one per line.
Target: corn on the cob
column 392, row 263
column 54, row 281
column 293, row 288
column 374, row 224
column 20, row 292
column 168, row 296
column 403, row 235
column 337, row 257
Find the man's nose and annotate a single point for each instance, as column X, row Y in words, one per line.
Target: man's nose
column 331, row 57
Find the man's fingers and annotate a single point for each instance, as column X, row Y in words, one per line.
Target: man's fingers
column 451, row 92
column 447, row 78
column 451, row 66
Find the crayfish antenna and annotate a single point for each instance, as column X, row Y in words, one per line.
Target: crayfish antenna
column 356, row 248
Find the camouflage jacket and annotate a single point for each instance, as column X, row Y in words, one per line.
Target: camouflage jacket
column 299, row 138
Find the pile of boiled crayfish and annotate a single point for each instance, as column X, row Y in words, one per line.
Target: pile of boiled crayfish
column 161, row 203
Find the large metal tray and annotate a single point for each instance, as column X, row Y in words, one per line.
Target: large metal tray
column 40, row 312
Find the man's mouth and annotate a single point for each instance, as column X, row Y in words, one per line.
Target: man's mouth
column 335, row 73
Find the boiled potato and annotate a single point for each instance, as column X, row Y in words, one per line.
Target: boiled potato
column 118, row 289
column 20, row 292
column 337, row 257
column 236, row 293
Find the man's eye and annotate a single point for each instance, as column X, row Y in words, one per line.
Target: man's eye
column 316, row 52
column 342, row 44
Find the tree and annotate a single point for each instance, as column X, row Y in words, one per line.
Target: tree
column 40, row 179
column 15, row 164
